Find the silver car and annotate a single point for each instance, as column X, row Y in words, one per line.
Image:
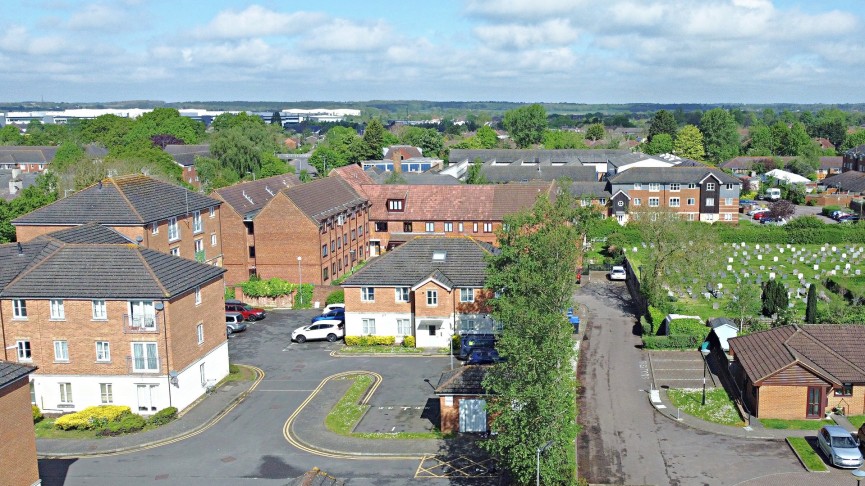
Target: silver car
column 840, row 446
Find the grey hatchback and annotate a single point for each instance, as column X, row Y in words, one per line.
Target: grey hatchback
column 840, row 447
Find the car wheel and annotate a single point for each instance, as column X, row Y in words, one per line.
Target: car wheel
column 331, row 338
column 228, row 331
column 301, row 338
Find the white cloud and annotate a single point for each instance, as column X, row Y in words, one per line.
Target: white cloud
column 100, row 17
column 257, row 21
column 345, row 35
column 521, row 36
column 525, row 9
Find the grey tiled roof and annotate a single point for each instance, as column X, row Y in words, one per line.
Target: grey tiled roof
column 185, row 154
column 324, row 198
column 125, row 200
column 682, row 175
column 851, row 180
column 412, row 262
column 88, row 233
column 247, row 198
column 593, row 189
column 98, row 271
column 12, row 372
column 857, row 151
column 42, row 154
column 465, row 380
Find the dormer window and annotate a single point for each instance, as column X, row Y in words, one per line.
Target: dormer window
column 439, row 255
column 395, row 205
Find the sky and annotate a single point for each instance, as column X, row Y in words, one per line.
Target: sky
column 581, row 51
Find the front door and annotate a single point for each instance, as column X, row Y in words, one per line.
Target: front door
column 147, row 398
column 815, row 402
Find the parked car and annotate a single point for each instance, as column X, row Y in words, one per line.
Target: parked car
column 761, row 214
column 249, row 312
column 337, row 313
column 471, row 342
column 849, row 218
column 840, row 447
column 838, row 214
column 484, row 356
column 327, row 329
column 330, row 307
column 773, row 221
column 756, row 210
column 234, row 322
column 618, row 273
column 861, row 435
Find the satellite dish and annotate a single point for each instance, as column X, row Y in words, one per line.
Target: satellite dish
column 159, row 306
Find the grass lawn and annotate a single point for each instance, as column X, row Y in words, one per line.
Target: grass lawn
column 45, row 430
column 795, row 424
column 718, row 409
column 809, row 456
column 857, row 420
column 380, row 350
column 237, row 373
column 345, row 415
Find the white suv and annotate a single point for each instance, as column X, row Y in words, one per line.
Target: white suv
column 329, row 329
column 618, row 273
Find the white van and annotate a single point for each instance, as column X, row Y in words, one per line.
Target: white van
column 773, row 194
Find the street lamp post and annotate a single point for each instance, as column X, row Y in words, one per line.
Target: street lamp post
column 859, row 475
column 538, row 461
column 705, row 352
column 299, row 281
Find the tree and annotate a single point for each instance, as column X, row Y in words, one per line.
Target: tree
column 10, row 135
column 689, row 143
column 429, row 139
column 68, row 154
column 662, row 122
column 596, row 131
column 373, row 137
column 276, row 119
column 781, row 209
column 41, row 193
column 474, row 174
column 533, row 393
column 559, row 139
column 855, row 139
column 811, row 306
column 661, row 143
column 108, row 130
column 744, row 301
column 774, row 298
column 761, row 140
column 526, row 125
column 720, row 135
column 487, row 137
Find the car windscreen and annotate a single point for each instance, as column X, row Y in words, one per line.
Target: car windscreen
column 843, row 442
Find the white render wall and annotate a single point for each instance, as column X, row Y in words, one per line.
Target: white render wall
column 385, row 325
column 86, row 390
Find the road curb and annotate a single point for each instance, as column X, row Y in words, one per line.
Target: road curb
column 169, row 440
column 802, row 462
column 691, row 426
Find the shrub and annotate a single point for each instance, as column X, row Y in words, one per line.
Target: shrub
column 455, row 342
column 646, row 326
column 163, row 416
column 689, row 327
column 827, row 210
column 303, row 298
column 233, row 369
column 230, row 293
column 370, row 340
column 92, row 417
column 37, row 414
column 408, row 341
column 128, row 424
column 335, row 297
column 656, row 317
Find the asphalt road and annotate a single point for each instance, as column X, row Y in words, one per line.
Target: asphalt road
column 623, row 440
column 247, row 446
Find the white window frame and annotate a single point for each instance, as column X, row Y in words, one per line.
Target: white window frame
column 403, row 327
column 106, row 393
column 199, row 333
column 212, row 211
column 367, row 294
column 654, row 186
column 142, row 307
column 197, row 226
column 173, row 229
column 432, row 298
column 488, row 227
column 197, row 294
column 728, row 187
column 147, row 357
column 691, row 201
column 61, row 351
column 692, row 186
column 199, row 245
column 621, row 204
column 460, row 227
column 467, row 295
column 65, row 392
column 710, row 186
column 401, row 294
column 638, row 186
column 675, row 202
column 367, row 326
column 212, row 239
column 654, row 202
column 728, row 201
column 103, row 352
column 154, row 228
column 475, row 227
column 637, row 201
column 449, row 227
column 58, row 313
column 24, row 350
column 602, row 201
column 175, row 251
column 99, row 309
column 19, row 309
column 430, row 227
column 675, row 187
column 728, row 217
column 710, row 202
column 690, row 216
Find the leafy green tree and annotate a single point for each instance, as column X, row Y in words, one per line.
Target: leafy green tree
column 487, row 137
column 373, row 137
column 661, row 143
column 744, row 301
column 811, row 305
column 560, row 139
column 67, row 154
column 761, row 140
column 774, row 298
column 108, row 130
column 225, row 121
column 855, row 139
column 165, row 121
column 689, row 143
column 781, row 140
column 429, row 139
column 395, row 178
column 662, row 122
column 10, row 135
column 213, row 175
column 533, row 393
column 596, row 131
column 526, row 125
column 474, row 174
column 325, row 158
column 41, row 193
column 720, row 135
column 276, row 119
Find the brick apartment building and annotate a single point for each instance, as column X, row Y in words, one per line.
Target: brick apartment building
column 242, row 204
column 854, row 159
column 184, row 156
column 696, row 193
column 109, row 322
column 311, row 233
column 35, row 159
column 161, row 216
column 430, row 288
column 401, row 212
column 18, row 454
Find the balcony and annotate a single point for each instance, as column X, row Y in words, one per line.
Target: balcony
column 145, row 364
column 140, row 324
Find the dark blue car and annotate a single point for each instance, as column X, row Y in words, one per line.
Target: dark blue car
column 338, row 314
column 470, row 342
column 484, row 356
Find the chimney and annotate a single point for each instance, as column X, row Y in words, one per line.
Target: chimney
column 100, row 185
column 20, row 249
column 397, row 161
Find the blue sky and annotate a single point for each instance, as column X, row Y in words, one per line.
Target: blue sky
column 612, row 51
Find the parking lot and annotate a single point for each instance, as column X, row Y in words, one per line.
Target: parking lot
column 679, row 369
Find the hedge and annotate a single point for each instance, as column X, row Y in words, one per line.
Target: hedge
column 274, row 287
column 128, row 424
column 37, row 414
column 672, row 342
column 408, row 341
column 163, row 416
column 91, row 417
column 335, row 297
column 370, row 340
column 827, row 210
column 694, row 327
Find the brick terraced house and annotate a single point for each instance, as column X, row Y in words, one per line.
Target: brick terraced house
column 401, row 212
column 18, row 454
column 696, row 193
column 430, row 288
column 242, row 203
column 854, row 159
column 797, row 372
column 110, row 322
column 162, row 216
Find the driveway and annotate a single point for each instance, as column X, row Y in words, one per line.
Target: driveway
column 623, row 441
column 247, row 447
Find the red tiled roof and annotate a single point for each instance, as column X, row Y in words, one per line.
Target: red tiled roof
column 354, row 175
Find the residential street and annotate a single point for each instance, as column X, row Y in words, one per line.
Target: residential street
column 623, row 440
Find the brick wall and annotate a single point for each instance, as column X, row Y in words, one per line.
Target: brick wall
column 283, row 233
column 445, row 305
column 853, row 405
column 184, row 316
column 783, row 402
column 18, row 453
column 385, row 301
column 27, row 233
column 235, row 246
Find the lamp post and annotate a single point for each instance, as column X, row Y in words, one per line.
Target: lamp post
column 542, row 448
column 299, row 281
column 705, row 352
column 859, row 475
